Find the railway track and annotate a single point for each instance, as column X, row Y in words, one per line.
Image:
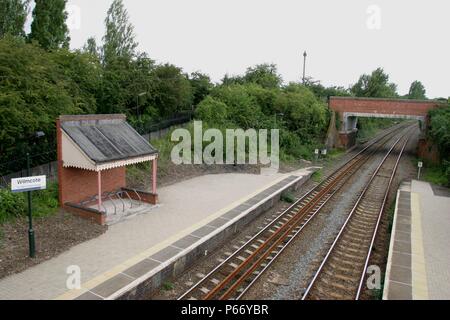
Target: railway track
column 238, row 272
column 342, row 272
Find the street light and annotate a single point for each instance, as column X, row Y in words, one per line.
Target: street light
column 137, row 106
column 31, row 240
column 304, row 66
column 278, row 114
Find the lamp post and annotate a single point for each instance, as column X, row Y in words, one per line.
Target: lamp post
column 278, row 114
column 304, row 66
column 137, row 106
column 31, row 239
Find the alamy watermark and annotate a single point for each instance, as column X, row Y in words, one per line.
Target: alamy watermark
column 374, row 277
column 231, row 149
column 73, row 17
column 373, row 21
column 74, row 277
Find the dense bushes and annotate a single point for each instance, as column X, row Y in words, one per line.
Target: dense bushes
column 247, row 102
column 439, row 129
column 212, row 110
column 368, row 127
column 13, row 205
column 36, row 86
column 439, row 132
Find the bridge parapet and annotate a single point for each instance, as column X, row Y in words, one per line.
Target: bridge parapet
column 350, row 108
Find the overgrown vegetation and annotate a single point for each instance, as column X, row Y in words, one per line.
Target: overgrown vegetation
column 294, row 109
column 439, row 133
column 317, row 176
column 41, row 79
column 436, row 174
column 369, row 127
column 168, row 286
column 288, row 197
column 14, row 205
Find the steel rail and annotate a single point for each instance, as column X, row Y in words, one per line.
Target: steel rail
column 274, row 221
column 386, row 195
column 337, row 238
column 237, row 283
column 270, row 250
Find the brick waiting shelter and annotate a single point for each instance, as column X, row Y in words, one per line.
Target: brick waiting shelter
column 93, row 151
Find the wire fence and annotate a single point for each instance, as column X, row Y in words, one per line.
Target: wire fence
column 152, row 126
column 44, row 163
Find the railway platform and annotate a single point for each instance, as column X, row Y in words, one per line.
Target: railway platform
column 418, row 265
column 138, row 254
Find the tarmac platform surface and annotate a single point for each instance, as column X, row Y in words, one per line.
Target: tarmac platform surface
column 190, row 212
column 418, row 265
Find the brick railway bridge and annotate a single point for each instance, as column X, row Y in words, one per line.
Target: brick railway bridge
column 343, row 126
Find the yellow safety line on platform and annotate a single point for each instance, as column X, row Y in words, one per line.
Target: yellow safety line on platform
column 72, row 294
column 418, row 269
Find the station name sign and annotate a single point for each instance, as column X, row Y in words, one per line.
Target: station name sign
column 29, row 184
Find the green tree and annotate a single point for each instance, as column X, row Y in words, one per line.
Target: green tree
column 212, row 111
column 126, row 73
column 440, row 129
column 49, row 27
column 375, row 85
column 323, row 92
column 303, row 113
column 119, row 39
column 123, row 80
column 439, row 133
column 172, row 91
column 13, row 14
column 243, row 109
column 230, row 80
column 266, row 75
column 36, row 86
column 201, row 86
column 417, row 91
column 91, row 47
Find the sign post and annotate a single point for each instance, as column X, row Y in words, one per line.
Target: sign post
column 29, row 184
column 419, row 165
column 316, row 152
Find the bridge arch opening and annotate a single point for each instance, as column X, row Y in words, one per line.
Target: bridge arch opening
column 344, row 125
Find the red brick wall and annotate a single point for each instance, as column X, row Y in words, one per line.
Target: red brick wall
column 384, row 106
column 76, row 185
column 347, row 140
column 90, row 214
column 143, row 196
column 428, row 151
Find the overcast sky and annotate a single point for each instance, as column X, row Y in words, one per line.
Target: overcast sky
column 343, row 39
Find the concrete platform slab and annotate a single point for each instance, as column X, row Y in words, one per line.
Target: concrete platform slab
column 165, row 254
column 186, row 241
column 108, row 287
column 140, row 253
column 418, row 265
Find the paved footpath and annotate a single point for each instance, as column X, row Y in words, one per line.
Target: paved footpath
column 184, row 206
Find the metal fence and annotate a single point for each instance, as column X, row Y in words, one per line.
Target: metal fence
column 153, row 126
column 149, row 131
column 49, row 169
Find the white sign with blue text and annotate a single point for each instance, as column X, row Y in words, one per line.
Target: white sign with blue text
column 29, row 184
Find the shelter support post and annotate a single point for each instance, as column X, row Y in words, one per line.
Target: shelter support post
column 99, row 184
column 154, row 174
